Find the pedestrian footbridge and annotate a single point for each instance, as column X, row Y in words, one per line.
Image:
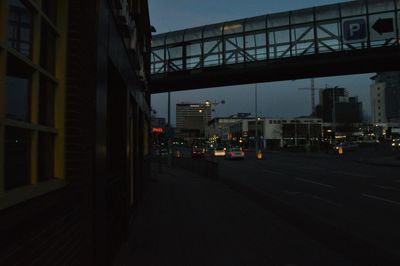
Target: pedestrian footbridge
column 347, row 38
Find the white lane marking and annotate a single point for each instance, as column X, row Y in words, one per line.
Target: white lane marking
column 381, row 199
column 273, row 172
column 327, row 201
column 387, row 188
column 315, row 183
column 352, row 174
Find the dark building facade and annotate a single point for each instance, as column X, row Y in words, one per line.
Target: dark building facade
column 73, row 96
column 347, row 110
column 327, row 97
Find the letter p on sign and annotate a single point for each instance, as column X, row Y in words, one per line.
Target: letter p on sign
column 354, row 30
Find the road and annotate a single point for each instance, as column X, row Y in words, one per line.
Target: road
column 361, row 199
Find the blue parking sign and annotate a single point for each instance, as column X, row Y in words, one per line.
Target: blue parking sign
column 355, row 29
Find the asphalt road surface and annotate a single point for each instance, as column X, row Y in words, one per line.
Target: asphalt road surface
column 362, row 200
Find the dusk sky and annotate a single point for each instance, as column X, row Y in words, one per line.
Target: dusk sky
column 275, row 99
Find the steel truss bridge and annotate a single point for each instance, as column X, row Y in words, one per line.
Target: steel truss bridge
column 347, row 38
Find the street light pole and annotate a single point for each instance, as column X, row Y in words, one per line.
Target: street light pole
column 256, row 123
column 334, row 113
column 169, row 109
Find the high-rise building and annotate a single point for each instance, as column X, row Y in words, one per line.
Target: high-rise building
column 385, row 97
column 336, row 106
column 192, row 119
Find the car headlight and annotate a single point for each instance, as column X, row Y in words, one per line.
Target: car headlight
column 393, row 144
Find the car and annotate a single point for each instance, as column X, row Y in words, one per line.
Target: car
column 219, row 152
column 346, row 145
column 396, row 143
column 234, row 153
column 198, row 152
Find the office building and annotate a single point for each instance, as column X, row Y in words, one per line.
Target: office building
column 336, row 106
column 385, row 98
column 192, row 119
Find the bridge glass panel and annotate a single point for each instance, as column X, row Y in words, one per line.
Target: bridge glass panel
column 302, row 16
column 158, row 40
column 278, row 20
column 212, row 52
column 158, row 61
column 328, row 36
column 379, row 6
column 193, row 34
column 256, row 23
column 279, row 43
column 327, row 12
column 302, row 40
column 353, row 8
column 233, row 27
column 174, row 58
column 175, row 37
column 193, row 55
column 256, row 46
column 234, row 49
column 213, row 30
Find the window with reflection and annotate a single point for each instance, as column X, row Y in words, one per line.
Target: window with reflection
column 20, row 27
column 17, row 92
column 17, row 162
column 47, row 48
column 46, row 102
column 49, row 7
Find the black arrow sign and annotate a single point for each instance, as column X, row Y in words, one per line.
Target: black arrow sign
column 385, row 25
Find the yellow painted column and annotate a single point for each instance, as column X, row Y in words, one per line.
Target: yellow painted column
column 60, row 72
column 3, row 60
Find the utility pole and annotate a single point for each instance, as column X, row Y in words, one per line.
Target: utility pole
column 256, row 123
column 334, row 114
column 169, row 109
column 312, row 94
column 169, row 130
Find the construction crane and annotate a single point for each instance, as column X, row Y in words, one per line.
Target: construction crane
column 312, row 89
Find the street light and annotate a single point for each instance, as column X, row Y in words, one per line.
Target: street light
column 334, row 113
column 215, row 103
column 209, row 103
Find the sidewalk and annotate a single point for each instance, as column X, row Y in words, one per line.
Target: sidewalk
column 190, row 220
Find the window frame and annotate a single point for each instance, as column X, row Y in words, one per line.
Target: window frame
column 58, row 80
